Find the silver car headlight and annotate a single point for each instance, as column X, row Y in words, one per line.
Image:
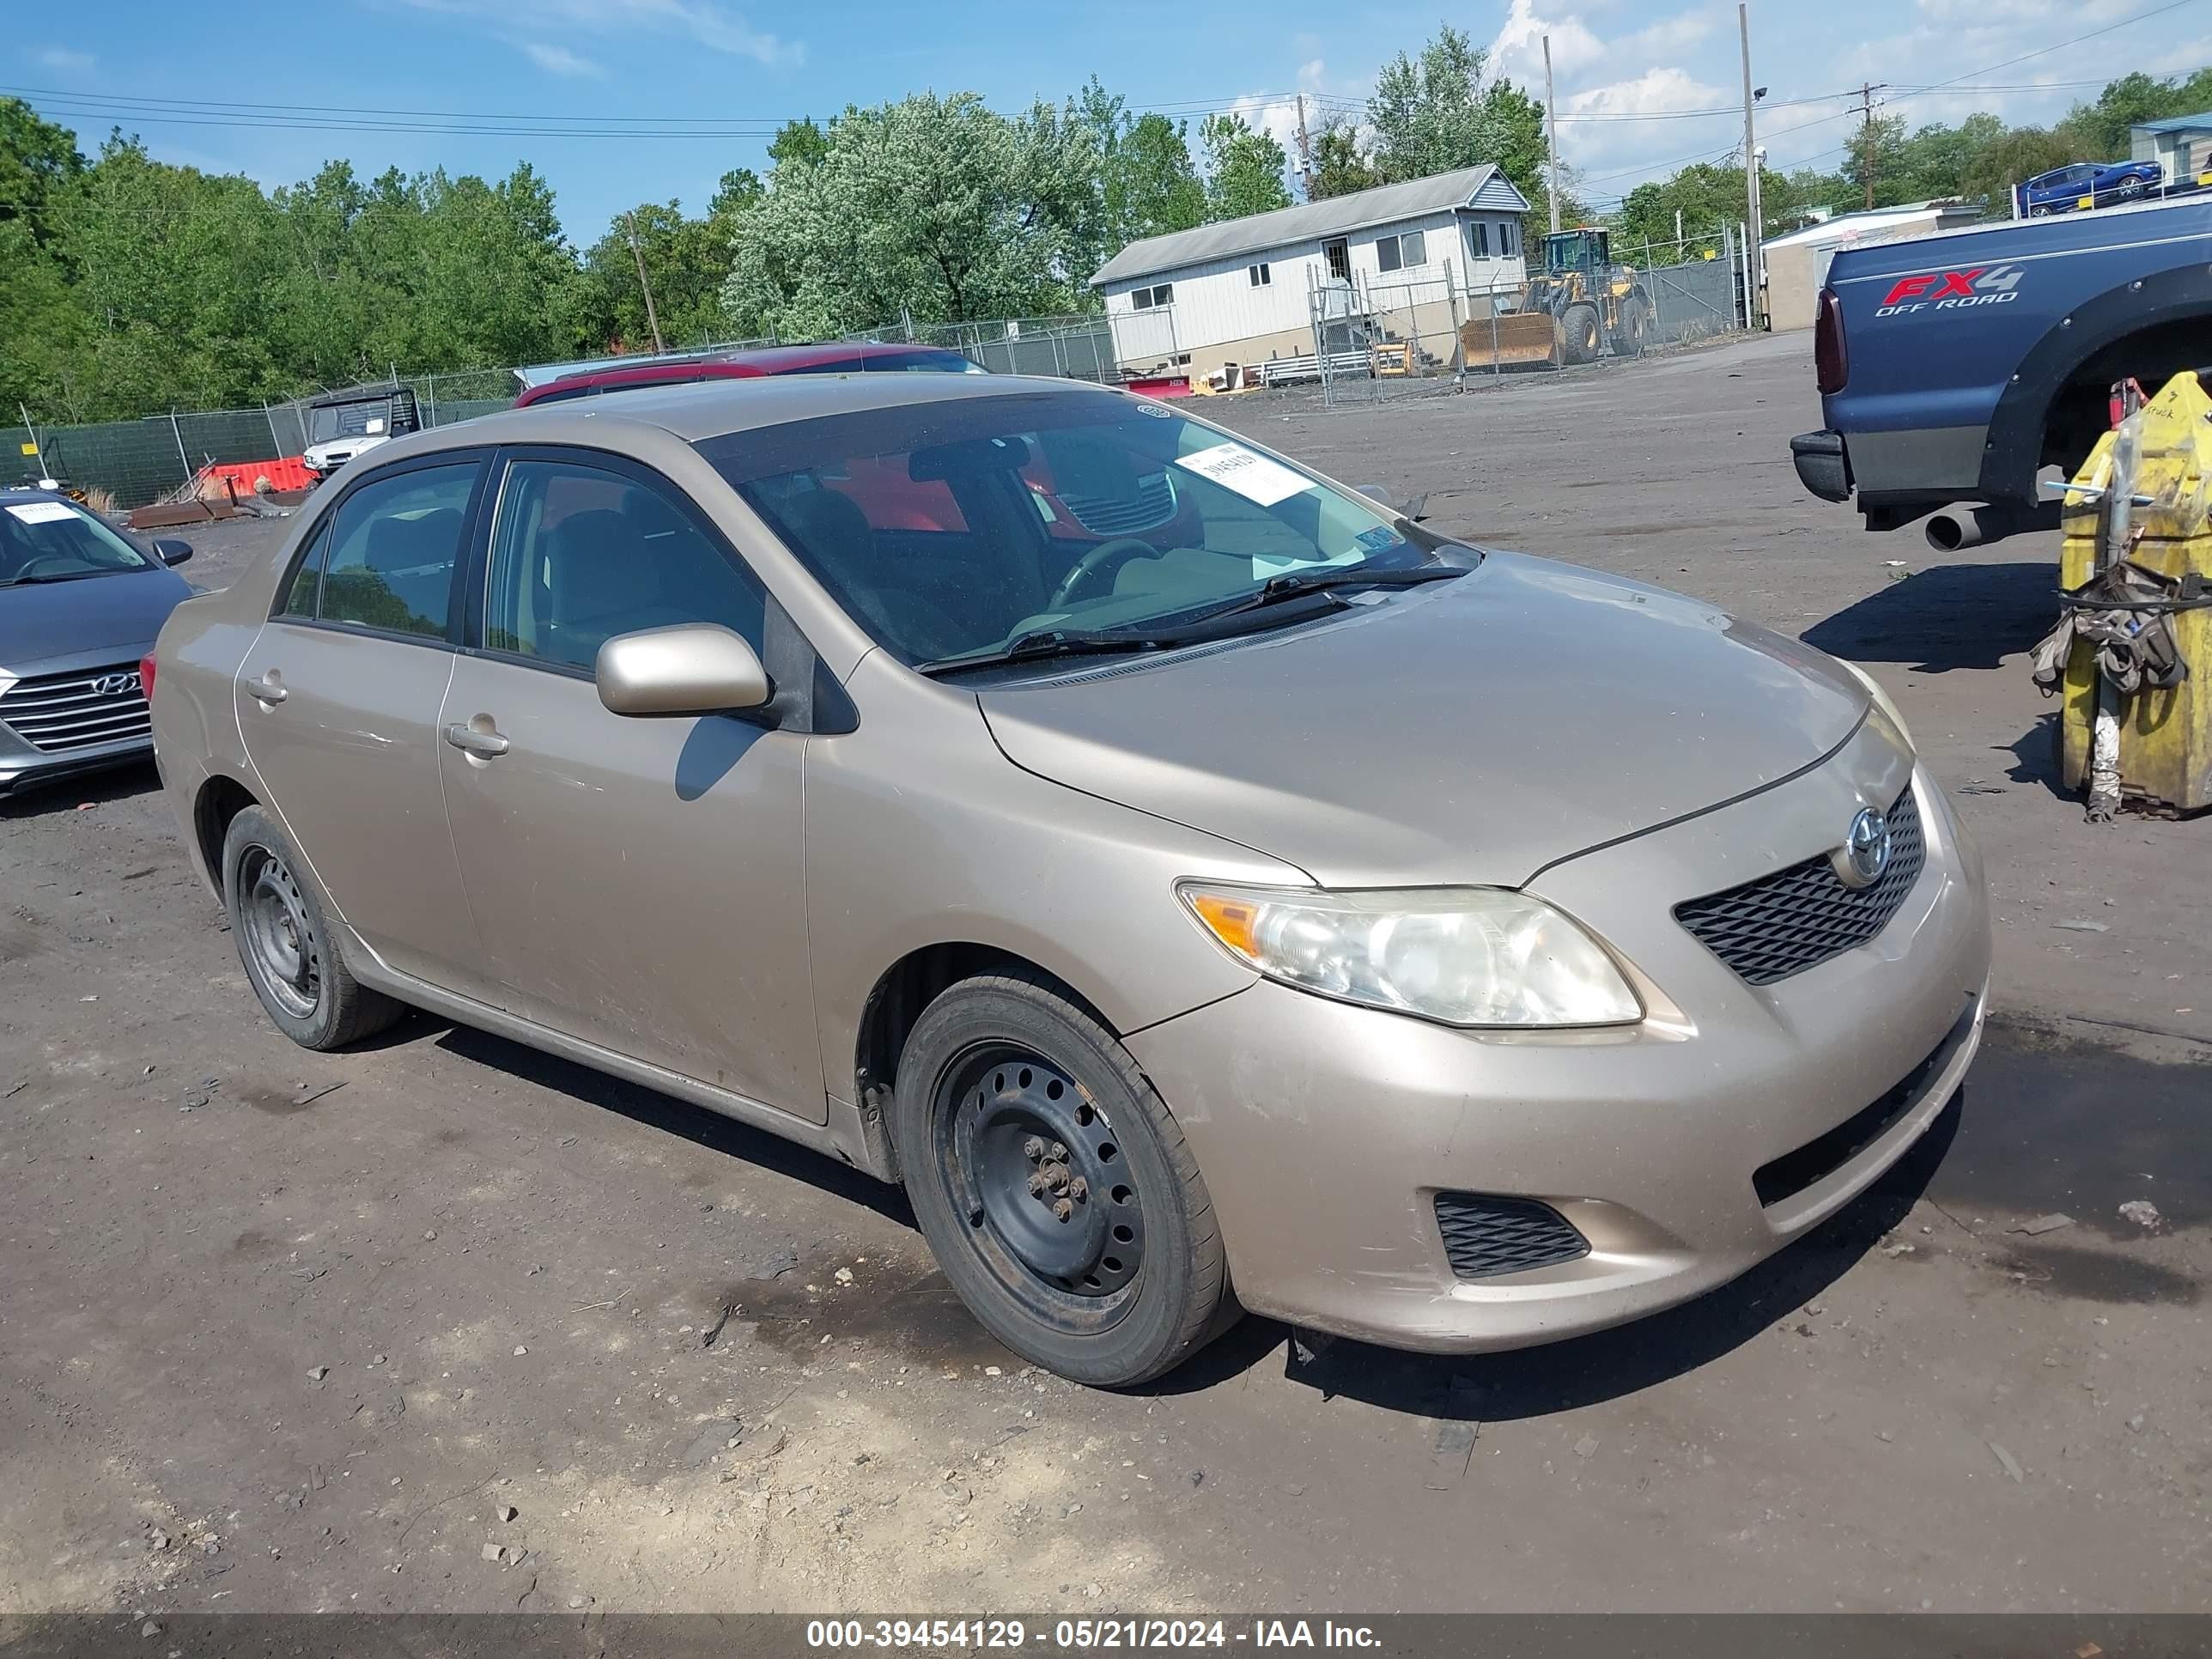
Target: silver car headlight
column 1885, row 711
column 1462, row 956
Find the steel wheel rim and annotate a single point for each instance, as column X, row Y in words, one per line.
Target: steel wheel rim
column 1043, row 1187
column 287, row 957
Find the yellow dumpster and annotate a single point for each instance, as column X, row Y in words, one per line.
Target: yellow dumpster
column 2165, row 735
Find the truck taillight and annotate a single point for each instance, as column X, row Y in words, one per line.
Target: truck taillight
column 1832, row 359
column 146, row 676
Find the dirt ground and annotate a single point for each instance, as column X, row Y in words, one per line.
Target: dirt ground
column 445, row 1324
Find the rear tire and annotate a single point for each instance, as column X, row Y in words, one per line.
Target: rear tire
column 285, row 940
column 1013, row 1103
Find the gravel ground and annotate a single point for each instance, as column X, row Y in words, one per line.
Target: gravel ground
column 445, row 1324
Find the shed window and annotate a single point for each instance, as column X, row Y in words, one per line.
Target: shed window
column 1506, row 239
column 1478, row 238
column 1260, row 276
column 1159, row 294
column 1396, row 252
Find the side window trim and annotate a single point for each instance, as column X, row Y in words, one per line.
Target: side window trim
column 476, row 599
column 319, row 541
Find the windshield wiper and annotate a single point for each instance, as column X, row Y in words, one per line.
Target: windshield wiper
column 59, row 576
column 1052, row 642
column 1299, row 585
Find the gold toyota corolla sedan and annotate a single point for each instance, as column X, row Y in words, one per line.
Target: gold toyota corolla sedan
column 1202, row 886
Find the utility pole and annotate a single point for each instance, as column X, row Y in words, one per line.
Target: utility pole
column 637, row 252
column 1755, row 219
column 1866, row 111
column 1551, row 126
column 1305, row 152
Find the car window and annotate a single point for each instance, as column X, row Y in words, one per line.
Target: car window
column 393, row 546
column 580, row 554
column 307, row 581
column 52, row 541
column 1086, row 512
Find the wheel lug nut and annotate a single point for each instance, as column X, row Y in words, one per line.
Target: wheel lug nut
column 1033, row 1149
column 1037, row 1186
column 1059, row 1152
column 1062, row 1209
column 1079, row 1189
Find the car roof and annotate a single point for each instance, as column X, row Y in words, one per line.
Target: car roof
column 697, row 409
column 735, row 365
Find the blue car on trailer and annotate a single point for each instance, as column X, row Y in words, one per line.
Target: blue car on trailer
column 2089, row 185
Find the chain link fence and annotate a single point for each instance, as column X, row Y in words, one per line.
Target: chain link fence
column 1373, row 342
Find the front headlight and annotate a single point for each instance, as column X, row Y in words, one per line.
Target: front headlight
column 1464, row 956
column 1885, row 711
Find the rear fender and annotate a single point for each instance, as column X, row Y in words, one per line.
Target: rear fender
column 2014, row 448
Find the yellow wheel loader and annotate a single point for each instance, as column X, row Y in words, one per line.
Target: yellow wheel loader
column 1576, row 307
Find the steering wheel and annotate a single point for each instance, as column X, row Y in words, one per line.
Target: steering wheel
column 60, row 563
column 1107, row 556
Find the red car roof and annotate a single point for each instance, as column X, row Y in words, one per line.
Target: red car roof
column 726, row 366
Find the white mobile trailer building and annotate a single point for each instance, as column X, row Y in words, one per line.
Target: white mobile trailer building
column 1239, row 291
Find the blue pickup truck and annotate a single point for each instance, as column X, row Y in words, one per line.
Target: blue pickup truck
column 1955, row 368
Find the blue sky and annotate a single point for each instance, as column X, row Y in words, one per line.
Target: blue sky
column 725, row 73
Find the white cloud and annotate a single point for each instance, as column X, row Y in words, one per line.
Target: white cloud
column 61, row 58
column 1654, row 90
column 1517, row 53
column 559, row 60
column 1671, row 34
column 708, row 24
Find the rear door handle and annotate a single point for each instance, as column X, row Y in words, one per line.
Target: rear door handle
column 268, row 688
column 470, row 741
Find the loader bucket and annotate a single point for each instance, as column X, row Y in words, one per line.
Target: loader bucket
column 1521, row 340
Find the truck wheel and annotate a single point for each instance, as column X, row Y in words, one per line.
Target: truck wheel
column 1053, row 1187
column 1580, row 338
column 1635, row 329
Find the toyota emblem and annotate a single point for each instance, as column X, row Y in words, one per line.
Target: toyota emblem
column 1864, row 854
column 115, row 685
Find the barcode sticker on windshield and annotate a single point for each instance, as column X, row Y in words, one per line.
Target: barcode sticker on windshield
column 41, row 512
column 1252, row 476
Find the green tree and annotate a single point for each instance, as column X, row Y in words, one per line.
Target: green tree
column 935, row 206
column 1243, row 169
column 1341, row 165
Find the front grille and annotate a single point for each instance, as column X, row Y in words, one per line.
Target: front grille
column 1153, row 504
column 1798, row 918
column 1818, row 1158
column 57, row 714
column 1485, row 1236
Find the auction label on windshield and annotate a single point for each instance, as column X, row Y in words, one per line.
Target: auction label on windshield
column 1252, row 476
column 41, row 512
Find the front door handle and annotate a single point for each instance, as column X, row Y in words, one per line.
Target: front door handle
column 470, row 741
column 268, row 688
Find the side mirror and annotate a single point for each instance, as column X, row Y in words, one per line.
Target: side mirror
column 1414, row 507
column 692, row 668
column 173, row 550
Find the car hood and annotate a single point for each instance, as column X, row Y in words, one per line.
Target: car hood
column 1473, row 731
column 57, row 621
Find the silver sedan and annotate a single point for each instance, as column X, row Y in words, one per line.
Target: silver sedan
column 1200, row 885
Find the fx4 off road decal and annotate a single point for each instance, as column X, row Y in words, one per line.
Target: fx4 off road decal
column 1952, row 291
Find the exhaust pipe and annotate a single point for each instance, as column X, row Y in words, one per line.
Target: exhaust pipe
column 1963, row 527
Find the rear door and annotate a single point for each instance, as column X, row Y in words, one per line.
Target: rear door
column 639, row 882
column 338, row 700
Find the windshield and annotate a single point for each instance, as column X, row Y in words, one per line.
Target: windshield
column 363, row 420
column 52, row 541
column 952, row 530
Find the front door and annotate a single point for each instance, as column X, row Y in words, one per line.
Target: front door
column 638, row 883
column 338, row 701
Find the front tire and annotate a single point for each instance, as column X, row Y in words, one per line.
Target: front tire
column 1054, row 1188
column 286, row 943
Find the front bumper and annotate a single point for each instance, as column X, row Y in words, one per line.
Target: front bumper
column 1326, row 1131
column 28, row 769
column 1824, row 467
